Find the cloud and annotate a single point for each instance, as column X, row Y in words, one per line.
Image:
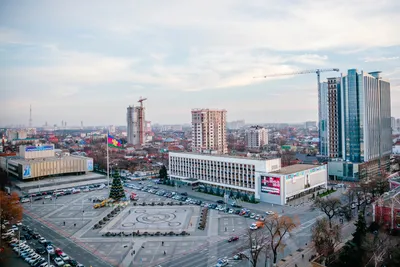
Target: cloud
column 101, row 51
column 379, row 59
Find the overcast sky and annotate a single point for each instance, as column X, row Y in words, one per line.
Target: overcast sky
column 88, row 60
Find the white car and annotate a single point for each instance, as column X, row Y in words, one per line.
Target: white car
column 19, row 224
column 14, row 227
column 269, row 212
column 50, row 249
column 64, row 256
column 34, row 258
column 42, row 240
column 48, row 197
column 58, row 261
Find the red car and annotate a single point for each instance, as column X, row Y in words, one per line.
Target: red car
column 233, row 238
column 58, row 252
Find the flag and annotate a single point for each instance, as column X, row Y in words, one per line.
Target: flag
column 113, row 142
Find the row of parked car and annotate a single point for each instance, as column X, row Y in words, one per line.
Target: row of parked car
column 36, row 254
column 60, row 192
column 220, row 205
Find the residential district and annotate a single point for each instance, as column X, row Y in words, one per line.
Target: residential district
column 209, row 193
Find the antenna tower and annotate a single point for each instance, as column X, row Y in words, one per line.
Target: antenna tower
column 30, row 116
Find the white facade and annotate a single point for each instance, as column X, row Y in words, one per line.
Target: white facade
column 256, row 137
column 280, row 186
column 225, row 171
column 32, row 152
column 262, row 177
column 209, row 130
column 167, row 128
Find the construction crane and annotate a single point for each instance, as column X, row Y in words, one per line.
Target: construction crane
column 141, row 121
column 321, row 123
column 141, row 101
column 317, row 71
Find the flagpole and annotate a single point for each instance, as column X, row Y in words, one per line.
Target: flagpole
column 108, row 165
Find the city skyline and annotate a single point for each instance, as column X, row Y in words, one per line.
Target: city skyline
column 89, row 63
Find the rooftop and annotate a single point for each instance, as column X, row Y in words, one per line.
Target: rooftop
column 224, row 156
column 25, row 161
column 295, row 168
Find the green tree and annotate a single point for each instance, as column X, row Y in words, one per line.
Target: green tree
column 117, row 190
column 230, row 194
column 115, row 174
column 163, row 174
column 206, row 189
column 172, row 182
column 253, row 198
column 245, row 197
column 361, row 230
column 238, row 195
column 218, row 191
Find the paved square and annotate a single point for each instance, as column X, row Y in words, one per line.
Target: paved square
column 153, row 219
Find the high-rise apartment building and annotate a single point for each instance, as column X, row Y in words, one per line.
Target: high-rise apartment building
column 136, row 125
column 130, row 130
column 323, row 119
column 334, row 118
column 209, row 130
column 256, row 137
column 359, row 125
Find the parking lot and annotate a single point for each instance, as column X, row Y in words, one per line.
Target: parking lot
column 158, row 215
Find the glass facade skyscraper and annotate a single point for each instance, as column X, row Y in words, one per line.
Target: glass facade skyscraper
column 359, row 124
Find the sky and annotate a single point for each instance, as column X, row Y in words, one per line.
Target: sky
column 88, row 60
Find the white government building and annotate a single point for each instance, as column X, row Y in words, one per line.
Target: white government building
column 265, row 178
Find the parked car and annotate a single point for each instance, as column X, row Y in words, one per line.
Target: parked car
column 233, row 238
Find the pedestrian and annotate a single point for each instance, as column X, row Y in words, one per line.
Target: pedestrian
column 74, row 224
column 191, row 224
column 165, row 253
column 43, row 202
column 129, row 211
column 64, row 223
column 302, row 256
column 134, row 252
column 162, row 243
column 142, row 246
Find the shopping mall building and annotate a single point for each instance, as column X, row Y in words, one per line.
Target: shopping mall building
column 34, row 162
column 263, row 178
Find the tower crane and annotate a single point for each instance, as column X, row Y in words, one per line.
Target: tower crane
column 321, row 123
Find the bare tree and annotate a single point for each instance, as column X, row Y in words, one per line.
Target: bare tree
column 329, row 206
column 257, row 242
column 276, row 228
column 325, row 238
column 378, row 248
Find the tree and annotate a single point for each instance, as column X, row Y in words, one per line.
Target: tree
column 230, row 194
column 325, row 237
column 253, row 198
column 361, row 230
column 163, row 173
column 117, row 190
column 275, row 229
column 329, row 206
column 218, row 191
column 256, row 242
column 10, row 208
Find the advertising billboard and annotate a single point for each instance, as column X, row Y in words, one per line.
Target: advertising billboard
column 89, row 165
column 38, row 148
column 27, row 171
column 271, row 185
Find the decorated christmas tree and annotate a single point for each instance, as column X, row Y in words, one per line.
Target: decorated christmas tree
column 117, row 190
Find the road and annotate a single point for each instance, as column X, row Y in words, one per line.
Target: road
column 75, row 251
column 207, row 255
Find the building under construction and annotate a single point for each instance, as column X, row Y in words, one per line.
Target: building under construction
column 136, row 124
